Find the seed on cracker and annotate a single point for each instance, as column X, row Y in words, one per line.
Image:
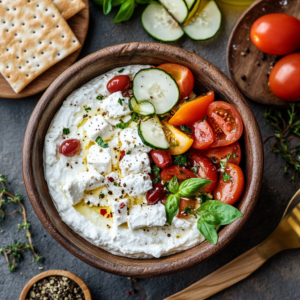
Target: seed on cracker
column 68, row 8
column 33, row 37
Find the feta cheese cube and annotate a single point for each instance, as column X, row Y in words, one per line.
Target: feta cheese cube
column 137, row 218
column 92, row 179
column 74, row 190
column 97, row 126
column 136, row 184
column 115, row 150
column 135, row 164
column 181, row 223
column 92, row 200
column 114, row 187
column 112, row 106
column 132, row 142
column 116, row 121
column 120, row 209
column 99, row 159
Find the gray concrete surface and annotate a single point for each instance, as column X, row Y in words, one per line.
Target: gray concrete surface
column 277, row 279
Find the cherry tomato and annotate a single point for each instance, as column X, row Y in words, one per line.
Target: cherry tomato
column 120, row 83
column 203, row 135
column 276, row 34
column 229, row 192
column 206, row 169
column 155, row 194
column 162, row 158
column 192, row 111
column 285, row 78
column 180, row 172
column 217, row 154
column 226, row 123
column 184, row 203
column 70, row 147
column 182, row 75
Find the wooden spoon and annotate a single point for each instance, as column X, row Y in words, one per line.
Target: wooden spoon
column 286, row 236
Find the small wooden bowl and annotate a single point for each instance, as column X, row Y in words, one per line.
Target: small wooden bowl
column 68, row 274
column 207, row 77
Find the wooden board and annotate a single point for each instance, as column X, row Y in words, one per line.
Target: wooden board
column 255, row 87
column 79, row 24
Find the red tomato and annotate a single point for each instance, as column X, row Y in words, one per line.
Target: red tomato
column 229, row 192
column 203, row 135
column 217, row 154
column 70, row 147
column 182, row 75
column 155, row 194
column 206, row 169
column 120, row 83
column 180, row 172
column 192, row 111
column 285, row 78
column 226, row 123
column 162, row 158
column 276, row 34
column 184, row 203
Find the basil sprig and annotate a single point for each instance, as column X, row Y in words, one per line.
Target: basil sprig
column 223, row 163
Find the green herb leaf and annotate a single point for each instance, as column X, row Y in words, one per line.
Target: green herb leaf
column 66, row 131
column 123, row 125
column 125, row 12
column 161, row 118
column 223, row 163
column 195, row 169
column 172, row 207
column 115, row 183
column 203, row 197
column 173, row 185
column 181, row 172
column 192, row 186
column 234, row 155
column 107, row 6
column 145, row 1
column 128, row 152
column 101, row 195
column 99, row 97
column 180, row 160
column 204, row 119
column 156, row 170
column 101, row 143
column 226, row 177
column 121, row 71
column 190, row 210
column 186, row 129
column 87, row 109
column 208, row 231
column 120, row 101
column 134, row 117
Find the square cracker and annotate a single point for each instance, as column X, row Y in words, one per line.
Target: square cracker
column 33, row 37
column 68, row 8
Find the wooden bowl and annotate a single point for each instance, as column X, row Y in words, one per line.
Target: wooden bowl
column 68, row 274
column 207, row 77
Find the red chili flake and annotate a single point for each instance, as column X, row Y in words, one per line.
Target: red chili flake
column 110, row 179
column 103, row 212
column 128, row 293
column 123, row 153
column 119, row 211
column 122, row 205
column 108, row 216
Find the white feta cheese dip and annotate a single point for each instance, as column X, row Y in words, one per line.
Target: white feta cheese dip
column 99, row 196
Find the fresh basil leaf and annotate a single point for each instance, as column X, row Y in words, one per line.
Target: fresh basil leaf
column 172, row 207
column 123, row 125
column 173, row 185
column 66, row 131
column 180, row 160
column 192, row 186
column 211, row 218
column 226, row 177
column 186, row 129
column 101, row 143
column 121, row 70
column 87, row 109
column 125, row 12
column 120, row 101
column 135, row 117
column 107, row 5
column 208, row 231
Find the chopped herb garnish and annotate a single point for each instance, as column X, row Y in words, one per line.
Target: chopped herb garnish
column 190, row 210
column 186, row 129
column 99, row 97
column 123, row 125
column 87, row 109
column 134, row 117
column 120, row 101
column 156, row 171
column 226, row 177
column 181, row 172
column 204, row 119
column 115, row 183
column 223, row 163
column 66, row 131
column 180, row 160
column 101, row 143
column 121, row 71
column 128, row 152
column 134, row 146
column 203, row 197
column 195, row 169
column 101, row 195
column 234, row 155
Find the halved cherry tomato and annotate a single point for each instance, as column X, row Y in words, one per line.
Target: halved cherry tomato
column 217, row 154
column 184, row 203
column 182, row 75
column 192, row 111
column 181, row 173
column 276, row 34
column 229, row 192
column 70, row 147
column 285, row 78
column 155, row 194
column 203, row 135
column 206, row 169
column 179, row 141
column 120, row 83
column 162, row 158
column 226, row 122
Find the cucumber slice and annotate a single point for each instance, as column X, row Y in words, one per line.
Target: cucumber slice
column 158, row 87
column 160, row 25
column 177, row 8
column 152, row 134
column 193, row 11
column 206, row 22
column 144, row 108
column 190, row 4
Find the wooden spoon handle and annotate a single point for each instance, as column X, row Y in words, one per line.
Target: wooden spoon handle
column 221, row 279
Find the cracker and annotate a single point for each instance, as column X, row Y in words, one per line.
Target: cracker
column 33, row 37
column 68, row 8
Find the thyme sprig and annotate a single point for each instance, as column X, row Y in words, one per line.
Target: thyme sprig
column 287, row 126
column 13, row 252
